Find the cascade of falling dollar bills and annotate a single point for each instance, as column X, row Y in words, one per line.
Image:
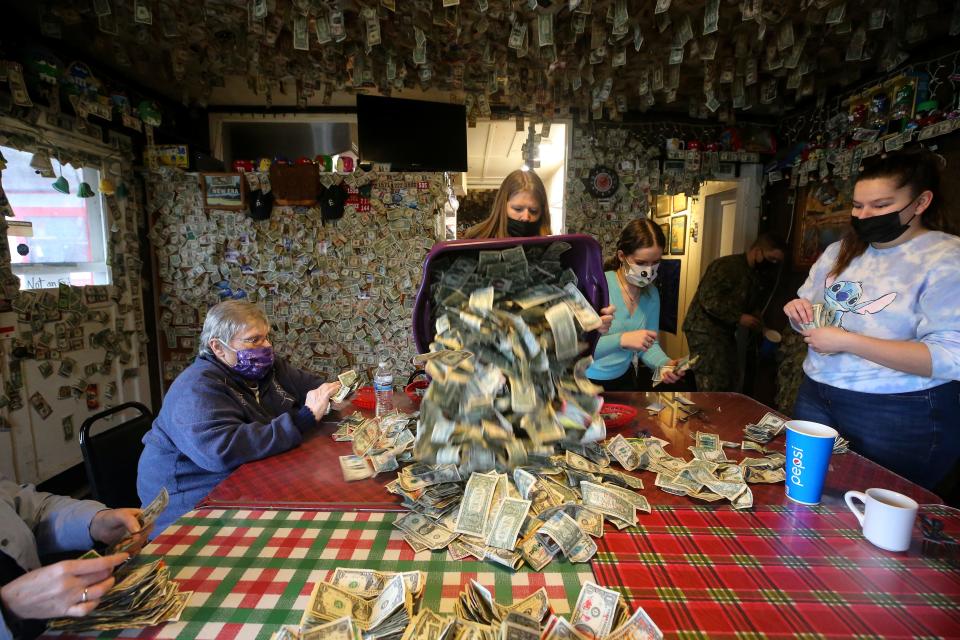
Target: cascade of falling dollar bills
column 507, row 376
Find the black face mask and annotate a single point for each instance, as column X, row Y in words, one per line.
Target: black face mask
column 767, row 267
column 522, row 229
column 882, row 228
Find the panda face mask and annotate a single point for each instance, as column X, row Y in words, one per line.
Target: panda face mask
column 640, row 276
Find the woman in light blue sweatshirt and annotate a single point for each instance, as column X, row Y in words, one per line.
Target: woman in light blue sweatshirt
column 630, row 274
column 884, row 368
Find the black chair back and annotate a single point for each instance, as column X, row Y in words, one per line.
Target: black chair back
column 111, row 457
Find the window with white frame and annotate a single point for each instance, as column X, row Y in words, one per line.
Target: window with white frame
column 68, row 244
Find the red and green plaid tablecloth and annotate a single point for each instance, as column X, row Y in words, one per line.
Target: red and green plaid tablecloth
column 779, row 572
column 307, row 477
column 252, row 571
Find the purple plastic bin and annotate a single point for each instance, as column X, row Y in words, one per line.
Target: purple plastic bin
column 584, row 258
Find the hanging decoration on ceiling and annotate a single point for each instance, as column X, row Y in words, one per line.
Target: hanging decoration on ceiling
column 603, row 58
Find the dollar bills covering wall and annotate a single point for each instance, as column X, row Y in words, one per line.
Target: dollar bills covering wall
column 93, row 337
column 339, row 294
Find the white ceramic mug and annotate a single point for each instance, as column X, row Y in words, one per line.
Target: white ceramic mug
column 887, row 517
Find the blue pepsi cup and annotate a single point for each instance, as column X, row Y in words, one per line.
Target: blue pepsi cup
column 770, row 343
column 809, row 446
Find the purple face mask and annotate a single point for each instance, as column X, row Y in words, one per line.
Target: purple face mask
column 253, row 364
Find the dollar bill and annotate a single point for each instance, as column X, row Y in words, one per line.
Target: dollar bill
column 427, row 625
column 475, row 508
column 301, row 40
column 603, row 500
column 507, row 523
column 711, row 17
column 355, row 468
column 328, row 603
column 366, row 436
column 348, row 384
column 572, row 541
column 593, row 614
column 639, row 627
column 340, row 629
column 424, row 530
column 586, row 315
column 709, row 441
column 142, row 595
column 559, row 629
column 369, row 583
column 625, row 454
column 545, row 29
column 18, row 88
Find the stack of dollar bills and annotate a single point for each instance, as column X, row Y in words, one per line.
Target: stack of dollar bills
column 363, row 604
column 769, row 427
column 379, row 444
column 143, row 594
column 549, row 507
column 710, row 476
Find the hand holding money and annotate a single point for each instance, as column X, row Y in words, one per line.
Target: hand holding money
column 800, row 312
column 670, row 373
column 349, row 381
column 113, row 525
column 318, row 400
column 68, row 588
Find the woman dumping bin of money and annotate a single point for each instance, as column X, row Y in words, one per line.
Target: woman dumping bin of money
column 521, row 210
column 630, row 274
column 883, row 366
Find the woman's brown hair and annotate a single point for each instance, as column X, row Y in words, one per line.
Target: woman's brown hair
column 495, row 225
column 915, row 167
column 638, row 234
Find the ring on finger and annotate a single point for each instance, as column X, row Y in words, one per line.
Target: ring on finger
column 83, row 598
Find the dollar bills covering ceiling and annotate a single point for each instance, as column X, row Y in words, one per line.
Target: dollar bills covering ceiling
column 601, row 57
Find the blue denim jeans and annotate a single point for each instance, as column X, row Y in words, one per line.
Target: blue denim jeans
column 915, row 434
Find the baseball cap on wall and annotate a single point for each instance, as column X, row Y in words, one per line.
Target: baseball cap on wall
column 261, row 204
column 332, row 202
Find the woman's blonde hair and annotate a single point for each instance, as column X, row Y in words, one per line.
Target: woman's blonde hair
column 495, row 225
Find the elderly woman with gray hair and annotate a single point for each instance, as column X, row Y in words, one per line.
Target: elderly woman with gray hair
column 235, row 403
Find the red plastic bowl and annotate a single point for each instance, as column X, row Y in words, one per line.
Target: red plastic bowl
column 364, row 398
column 415, row 391
column 617, row 415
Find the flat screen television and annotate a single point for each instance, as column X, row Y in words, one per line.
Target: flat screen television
column 412, row 135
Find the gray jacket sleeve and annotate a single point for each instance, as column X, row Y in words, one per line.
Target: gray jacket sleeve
column 34, row 523
column 57, row 523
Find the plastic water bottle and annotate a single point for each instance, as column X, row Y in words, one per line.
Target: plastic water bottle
column 383, row 388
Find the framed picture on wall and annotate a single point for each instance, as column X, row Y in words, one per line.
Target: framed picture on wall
column 818, row 225
column 678, row 235
column 679, row 203
column 662, row 208
column 665, row 227
column 223, row 191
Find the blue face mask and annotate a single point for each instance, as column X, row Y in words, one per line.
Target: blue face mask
column 253, row 364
